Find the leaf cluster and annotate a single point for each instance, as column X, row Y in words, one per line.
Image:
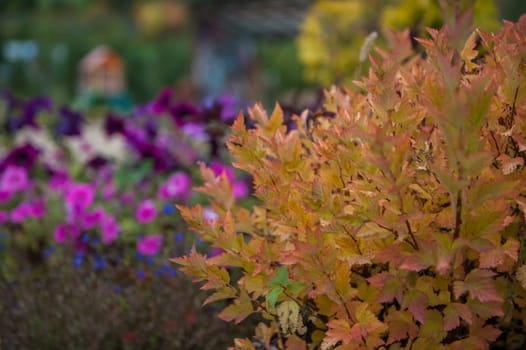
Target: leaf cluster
column 396, row 224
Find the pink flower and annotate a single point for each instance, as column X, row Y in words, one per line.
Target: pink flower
column 215, row 251
column 93, row 218
column 219, row 169
column 109, row 190
column 79, row 196
column 37, row 208
column 177, row 185
column 210, row 215
column 109, row 228
column 239, row 189
column 21, row 212
column 59, row 180
column 66, row 232
column 4, row 216
column 14, row 179
column 146, row 211
column 5, row 195
column 149, row 245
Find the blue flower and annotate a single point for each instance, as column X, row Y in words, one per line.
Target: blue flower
column 77, row 261
column 179, row 237
column 149, row 260
column 139, row 256
column 117, row 289
column 99, row 264
column 169, row 209
column 140, row 274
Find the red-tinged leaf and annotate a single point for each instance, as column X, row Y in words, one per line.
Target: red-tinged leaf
column 453, row 313
column 496, row 257
column 417, row 262
column 416, row 302
column 479, row 284
column 366, row 322
column 509, row 165
column 392, row 254
column 389, row 286
column 295, row 343
column 239, row 310
column 487, row 333
column 338, row 331
column 485, row 310
column 401, row 326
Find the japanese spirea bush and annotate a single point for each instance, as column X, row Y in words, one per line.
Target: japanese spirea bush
column 395, row 219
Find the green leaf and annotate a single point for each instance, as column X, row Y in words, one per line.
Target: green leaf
column 282, row 277
column 296, row 287
column 273, row 296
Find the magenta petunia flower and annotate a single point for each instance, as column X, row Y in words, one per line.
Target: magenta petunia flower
column 109, row 190
column 149, row 245
column 219, row 169
column 59, row 179
column 21, row 212
column 5, row 196
column 66, row 232
column 110, row 229
column 239, row 189
column 37, row 208
column 176, row 186
column 14, row 179
column 93, row 218
column 79, row 196
column 4, row 216
column 146, row 211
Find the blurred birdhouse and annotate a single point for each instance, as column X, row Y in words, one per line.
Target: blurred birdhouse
column 102, row 72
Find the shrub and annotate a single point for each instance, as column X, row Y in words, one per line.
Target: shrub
column 396, row 223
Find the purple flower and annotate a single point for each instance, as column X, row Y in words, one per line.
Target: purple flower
column 79, row 196
column 215, row 252
column 162, row 101
column 114, row 124
column 32, row 108
column 149, row 245
column 66, row 232
column 110, row 229
column 97, row 162
column 4, row 216
column 229, row 107
column 69, row 122
column 197, row 131
column 146, row 211
column 14, row 179
column 177, row 185
column 23, row 156
column 184, row 112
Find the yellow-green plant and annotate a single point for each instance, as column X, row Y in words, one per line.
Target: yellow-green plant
column 332, row 42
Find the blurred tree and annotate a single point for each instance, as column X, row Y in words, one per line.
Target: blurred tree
column 334, row 31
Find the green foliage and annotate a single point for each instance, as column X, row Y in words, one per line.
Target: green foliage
column 403, row 216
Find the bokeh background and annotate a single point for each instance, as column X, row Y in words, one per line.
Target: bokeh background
column 248, row 48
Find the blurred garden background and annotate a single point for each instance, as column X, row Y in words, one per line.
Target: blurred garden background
column 106, row 108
